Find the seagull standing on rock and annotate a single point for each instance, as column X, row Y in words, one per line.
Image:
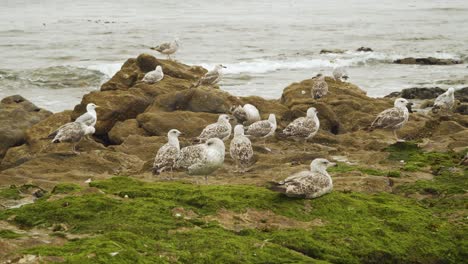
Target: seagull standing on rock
column 71, row 132
column 308, row 184
column 320, row 87
column 241, row 149
column 168, row 153
column 202, row 159
column 445, row 101
column 303, row 128
column 263, row 129
column 167, row 48
column 90, row 117
column 154, row 76
column 212, row 77
column 393, row 118
column 246, row 114
column 221, row 129
column 340, row 73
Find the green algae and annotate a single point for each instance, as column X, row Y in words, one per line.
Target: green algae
column 66, row 188
column 358, row 228
column 11, row 192
column 8, row 234
column 343, row 168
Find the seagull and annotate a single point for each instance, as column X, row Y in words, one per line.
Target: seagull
column 303, row 128
column 167, row 48
column 340, row 73
column 168, row 153
column 246, row 114
column 212, row 77
column 393, row 118
column 202, row 159
column 241, row 149
column 445, row 101
column 221, row 129
column 320, row 87
column 71, row 132
column 154, row 76
column 308, row 184
column 262, row 129
column 90, row 117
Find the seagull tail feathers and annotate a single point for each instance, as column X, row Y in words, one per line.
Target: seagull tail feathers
column 276, row 187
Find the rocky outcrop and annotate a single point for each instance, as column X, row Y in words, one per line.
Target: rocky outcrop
column 418, row 93
column 16, row 115
column 336, row 51
column 365, row 49
column 427, row 61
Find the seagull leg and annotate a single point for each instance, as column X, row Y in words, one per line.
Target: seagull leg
column 396, row 137
column 74, row 149
column 206, row 179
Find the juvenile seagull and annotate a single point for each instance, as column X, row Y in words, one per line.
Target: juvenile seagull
column 221, row 129
column 212, row 77
column 168, row 153
column 90, row 117
column 340, row 73
column 154, row 76
column 263, row 129
column 167, row 48
column 303, row 128
column 308, row 184
column 393, row 118
column 445, row 101
column 71, row 132
column 246, row 114
column 320, row 87
column 241, row 149
column 202, row 159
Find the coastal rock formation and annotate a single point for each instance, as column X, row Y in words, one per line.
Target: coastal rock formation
column 427, row 61
column 16, row 115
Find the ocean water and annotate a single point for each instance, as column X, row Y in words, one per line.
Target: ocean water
column 53, row 52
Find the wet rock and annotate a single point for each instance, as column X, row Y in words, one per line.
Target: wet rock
column 462, row 94
column 337, row 51
column 122, row 130
column 365, row 49
column 462, row 109
column 16, row 115
column 417, row 93
column 427, row 61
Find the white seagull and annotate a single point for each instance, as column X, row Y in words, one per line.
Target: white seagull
column 246, row 114
column 340, row 73
column 393, row 118
column 445, row 101
column 168, row 153
column 167, row 48
column 212, row 77
column 90, row 117
column 241, row 149
column 71, row 132
column 154, row 76
column 308, row 184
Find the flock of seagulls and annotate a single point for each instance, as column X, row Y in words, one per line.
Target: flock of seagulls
column 208, row 155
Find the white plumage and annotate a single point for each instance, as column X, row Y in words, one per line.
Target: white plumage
column 168, row 153
column 340, row 73
column 445, row 101
column 154, row 76
column 246, row 114
column 167, row 48
column 241, row 149
column 90, row 117
column 71, row 132
column 308, row 184
column 221, row 129
column 263, row 128
column 212, row 77
column 393, row 118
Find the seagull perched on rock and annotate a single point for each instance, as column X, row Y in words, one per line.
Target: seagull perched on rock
column 263, row 128
column 246, row 114
column 340, row 73
column 154, row 76
column 90, row 117
column 393, row 118
column 241, row 149
column 445, row 101
column 308, row 184
column 221, row 129
column 320, row 87
column 212, row 77
column 167, row 48
column 71, row 132
column 202, row 159
column 168, row 153
column 303, row 128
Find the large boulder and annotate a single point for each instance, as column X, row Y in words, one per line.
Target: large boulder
column 16, row 115
column 123, row 129
column 427, row 61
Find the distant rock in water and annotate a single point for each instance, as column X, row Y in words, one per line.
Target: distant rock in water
column 427, row 61
column 365, row 49
column 337, row 51
column 418, row 93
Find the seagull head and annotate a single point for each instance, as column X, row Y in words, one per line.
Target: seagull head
column 159, row 68
column 321, row 165
column 224, row 118
column 91, row 107
column 239, row 130
column 311, row 112
column 219, row 67
column 451, row 90
column 401, row 102
column 174, row 133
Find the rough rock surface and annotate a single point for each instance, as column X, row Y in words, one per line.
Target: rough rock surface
column 427, row 61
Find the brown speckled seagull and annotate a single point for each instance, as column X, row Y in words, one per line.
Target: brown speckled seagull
column 308, row 184
column 221, row 129
column 71, row 132
column 168, row 153
column 241, row 149
column 320, row 87
column 393, row 118
column 303, row 128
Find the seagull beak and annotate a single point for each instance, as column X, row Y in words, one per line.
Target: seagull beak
column 223, row 66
